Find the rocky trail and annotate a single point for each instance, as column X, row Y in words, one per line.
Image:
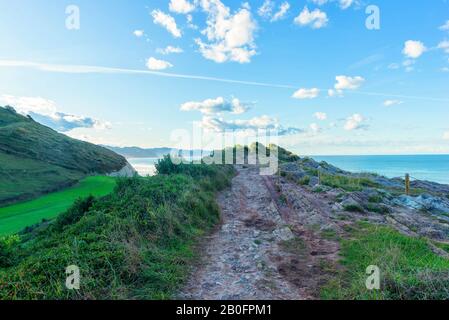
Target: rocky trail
column 262, row 249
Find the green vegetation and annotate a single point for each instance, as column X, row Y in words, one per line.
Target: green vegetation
column 304, row 181
column 409, row 269
column 353, row 208
column 18, row 216
column 135, row 243
column 37, row 160
column 347, row 183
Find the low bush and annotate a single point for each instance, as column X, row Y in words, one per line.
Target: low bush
column 136, row 243
column 408, row 267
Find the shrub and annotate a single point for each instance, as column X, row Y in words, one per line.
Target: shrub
column 135, row 243
column 409, row 268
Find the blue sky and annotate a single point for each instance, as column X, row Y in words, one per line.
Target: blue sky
column 98, row 83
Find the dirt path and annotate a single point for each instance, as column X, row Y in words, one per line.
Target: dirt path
column 257, row 253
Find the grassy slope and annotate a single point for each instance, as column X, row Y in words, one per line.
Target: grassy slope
column 16, row 217
column 36, row 159
column 409, row 269
column 137, row 242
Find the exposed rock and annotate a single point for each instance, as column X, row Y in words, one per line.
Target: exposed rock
column 126, row 172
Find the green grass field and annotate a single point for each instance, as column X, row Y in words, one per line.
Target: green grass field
column 18, row 216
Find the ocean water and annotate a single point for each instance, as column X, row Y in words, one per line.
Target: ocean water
column 423, row 167
column 144, row 166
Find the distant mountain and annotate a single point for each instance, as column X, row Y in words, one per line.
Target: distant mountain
column 36, row 159
column 136, row 152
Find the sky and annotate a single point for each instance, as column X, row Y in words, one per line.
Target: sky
column 324, row 77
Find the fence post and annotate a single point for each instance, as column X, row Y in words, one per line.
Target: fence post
column 407, row 184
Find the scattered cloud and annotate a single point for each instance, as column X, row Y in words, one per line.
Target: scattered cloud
column 345, row 4
column 45, row 112
column 216, row 106
column 446, row 135
column 413, row 49
column 444, row 45
column 445, row 27
column 266, row 9
column 181, row 6
column 390, row 103
column 282, row 11
column 139, row 33
column 316, row 19
column 320, row 116
column 169, row 50
column 306, row 93
column 315, row 128
column 262, row 123
column 355, row 122
column 394, row 66
column 335, row 93
column 348, row 83
column 319, row 2
column 155, row 64
column 166, row 21
column 190, row 23
column 230, row 37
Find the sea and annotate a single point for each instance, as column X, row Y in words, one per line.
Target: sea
column 423, row 167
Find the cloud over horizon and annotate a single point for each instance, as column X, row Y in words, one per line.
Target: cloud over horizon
column 45, row 112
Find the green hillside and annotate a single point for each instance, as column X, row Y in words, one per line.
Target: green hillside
column 136, row 243
column 35, row 159
column 16, row 217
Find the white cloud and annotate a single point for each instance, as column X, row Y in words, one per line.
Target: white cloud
column 446, row 135
column 166, row 21
column 345, row 4
column 190, row 23
column 320, row 116
column 316, row 19
column 444, row 45
column 280, row 14
column 181, row 6
column 414, row 49
column 266, row 10
column 348, row 83
column 390, row 103
column 315, row 128
column 169, row 50
column 139, row 33
column 319, row 2
column 393, row 66
column 354, row 122
column 155, row 64
column 216, row 106
column 230, row 36
column 445, row 27
column 306, row 93
column 335, row 93
column 46, row 112
column 263, row 123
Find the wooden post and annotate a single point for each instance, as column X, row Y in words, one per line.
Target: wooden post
column 407, row 184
